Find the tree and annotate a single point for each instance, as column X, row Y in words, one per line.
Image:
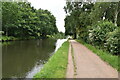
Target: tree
column 9, row 17
column 105, row 11
column 22, row 20
column 79, row 12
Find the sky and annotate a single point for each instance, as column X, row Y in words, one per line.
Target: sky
column 55, row 7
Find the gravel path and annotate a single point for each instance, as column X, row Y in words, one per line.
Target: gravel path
column 88, row 64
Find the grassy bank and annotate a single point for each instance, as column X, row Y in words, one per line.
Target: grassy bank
column 104, row 55
column 57, row 65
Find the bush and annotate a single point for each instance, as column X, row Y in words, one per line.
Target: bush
column 58, row 36
column 1, row 32
column 6, row 38
column 112, row 43
column 98, row 33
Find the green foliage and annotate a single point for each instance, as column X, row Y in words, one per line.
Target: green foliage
column 59, row 35
column 20, row 19
column 8, row 21
column 6, row 38
column 105, row 10
column 93, row 22
column 112, row 43
column 47, row 22
column 98, row 33
column 1, row 32
column 104, row 55
column 57, row 65
column 79, row 18
column 105, row 35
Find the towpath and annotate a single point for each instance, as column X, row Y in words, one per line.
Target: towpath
column 83, row 63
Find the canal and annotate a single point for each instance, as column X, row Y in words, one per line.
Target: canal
column 23, row 59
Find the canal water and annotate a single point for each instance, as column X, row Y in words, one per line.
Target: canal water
column 23, row 59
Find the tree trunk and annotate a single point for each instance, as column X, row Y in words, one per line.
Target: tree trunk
column 116, row 15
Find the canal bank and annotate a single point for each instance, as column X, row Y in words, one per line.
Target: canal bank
column 57, row 65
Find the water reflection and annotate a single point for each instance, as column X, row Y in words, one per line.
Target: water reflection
column 26, row 58
column 19, row 58
column 38, row 66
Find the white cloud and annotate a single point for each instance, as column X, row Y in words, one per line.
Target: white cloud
column 55, row 7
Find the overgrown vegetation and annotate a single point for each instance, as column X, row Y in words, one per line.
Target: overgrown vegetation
column 21, row 20
column 104, row 55
column 59, row 35
column 6, row 38
column 112, row 43
column 97, row 23
column 105, row 35
column 57, row 65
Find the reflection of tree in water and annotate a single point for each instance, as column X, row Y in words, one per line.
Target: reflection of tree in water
column 22, row 56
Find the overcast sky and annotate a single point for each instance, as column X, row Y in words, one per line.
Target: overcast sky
column 55, row 7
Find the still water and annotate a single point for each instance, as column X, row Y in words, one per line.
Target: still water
column 23, row 59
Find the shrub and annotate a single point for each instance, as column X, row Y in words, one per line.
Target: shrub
column 98, row 33
column 112, row 43
column 6, row 38
column 58, row 36
column 1, row 32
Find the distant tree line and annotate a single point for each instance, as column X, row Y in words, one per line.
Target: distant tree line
column 20, row 19
column 97, row 23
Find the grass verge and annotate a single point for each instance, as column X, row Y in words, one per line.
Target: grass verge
column 104, row 55
column 57, row 65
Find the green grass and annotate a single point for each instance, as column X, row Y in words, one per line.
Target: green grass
column 57, row 65
column 104, row 55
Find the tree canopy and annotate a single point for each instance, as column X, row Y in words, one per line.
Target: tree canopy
column 96, row 23
column 20, row 19
column 83, row 14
